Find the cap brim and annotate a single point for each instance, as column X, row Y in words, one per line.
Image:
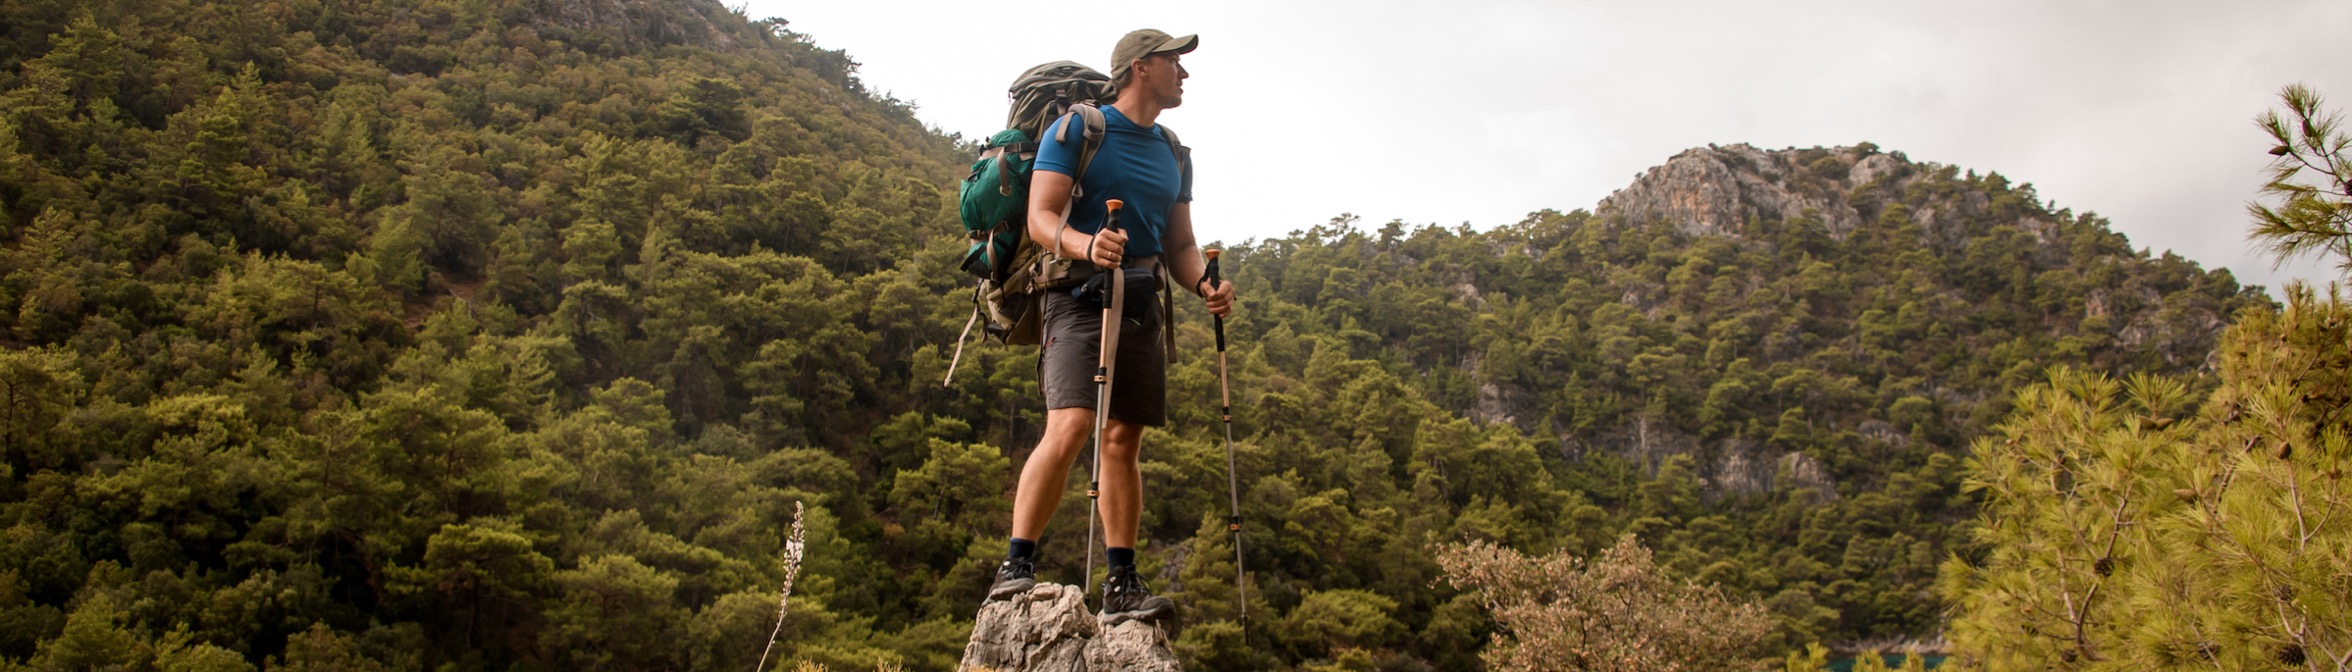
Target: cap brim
column 1181, row 45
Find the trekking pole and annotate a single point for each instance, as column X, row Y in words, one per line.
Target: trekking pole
column 1232, row 482
column 1113, row 311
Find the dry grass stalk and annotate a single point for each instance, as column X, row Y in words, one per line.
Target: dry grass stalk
column 793, row 547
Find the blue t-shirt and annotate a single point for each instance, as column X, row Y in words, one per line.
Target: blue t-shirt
column 1133, row 165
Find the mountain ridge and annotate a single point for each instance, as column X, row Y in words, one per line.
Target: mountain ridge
column 1726, row 190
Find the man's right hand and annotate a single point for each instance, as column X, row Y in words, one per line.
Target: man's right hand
column 1106, row 248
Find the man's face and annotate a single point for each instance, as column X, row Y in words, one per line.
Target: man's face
column 1163, row 75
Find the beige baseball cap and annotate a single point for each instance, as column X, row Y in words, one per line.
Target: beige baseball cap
column 1146, row 42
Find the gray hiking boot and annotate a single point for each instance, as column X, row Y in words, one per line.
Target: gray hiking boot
column 1125, row 599
column 1014, row 577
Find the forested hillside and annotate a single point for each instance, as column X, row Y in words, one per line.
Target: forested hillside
column 455, row 332
column 1768, row 365
column 505, row 334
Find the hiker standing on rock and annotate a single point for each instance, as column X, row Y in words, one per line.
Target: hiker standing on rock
column 1134, row 164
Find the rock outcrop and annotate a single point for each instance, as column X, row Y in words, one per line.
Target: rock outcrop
column 1714, row 190
column 1735, row 466
column 1049, row 629
column 1801, row 471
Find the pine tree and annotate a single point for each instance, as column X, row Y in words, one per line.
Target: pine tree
column 2124, row 533
column 2311, row 178
column 2137, row 526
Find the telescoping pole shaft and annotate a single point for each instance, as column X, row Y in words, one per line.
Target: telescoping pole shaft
column 1114, row 309
column 1232, row 481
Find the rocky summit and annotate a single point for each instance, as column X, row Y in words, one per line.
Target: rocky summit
column 1049, row 629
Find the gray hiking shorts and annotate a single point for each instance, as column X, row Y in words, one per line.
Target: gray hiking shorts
column 1073, row 349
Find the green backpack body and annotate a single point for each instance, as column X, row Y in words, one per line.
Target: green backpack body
column 1008, row 269
column 994, row 199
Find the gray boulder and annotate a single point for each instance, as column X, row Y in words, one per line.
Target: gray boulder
column 1049, row 629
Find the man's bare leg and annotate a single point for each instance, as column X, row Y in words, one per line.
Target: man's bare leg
column 1043, row 478
column 1124, row 595
column 1122, row 483
column 1047, row 472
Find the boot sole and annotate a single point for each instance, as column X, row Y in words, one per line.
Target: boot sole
column 1154, row 612
column 1006, row 590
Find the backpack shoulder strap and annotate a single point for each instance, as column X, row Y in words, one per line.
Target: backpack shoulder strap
column 1090, row 139
column 1183, row 153
column 1088, row 114
column 1167, row 277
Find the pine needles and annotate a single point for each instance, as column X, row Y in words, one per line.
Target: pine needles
column 2312, row 216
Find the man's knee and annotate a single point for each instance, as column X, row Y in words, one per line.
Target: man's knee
column 1068, row 425
column 1122, row 442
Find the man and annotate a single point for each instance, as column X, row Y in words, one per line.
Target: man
column 1134, row 164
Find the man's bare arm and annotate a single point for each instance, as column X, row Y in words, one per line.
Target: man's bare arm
column 1185, row 265
column 1049, row 210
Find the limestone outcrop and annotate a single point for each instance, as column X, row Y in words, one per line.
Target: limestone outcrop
column 1049, row 629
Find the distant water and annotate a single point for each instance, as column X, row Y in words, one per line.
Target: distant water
column 1894, row 661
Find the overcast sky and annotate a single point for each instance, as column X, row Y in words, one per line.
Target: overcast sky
column 1481, row 112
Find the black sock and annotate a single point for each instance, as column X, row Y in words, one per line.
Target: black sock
column 1017, row 547
column 1121, row 557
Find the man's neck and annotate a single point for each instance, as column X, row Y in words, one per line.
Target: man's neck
column 1138, row 107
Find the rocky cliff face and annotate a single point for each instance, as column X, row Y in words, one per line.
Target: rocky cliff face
column 1733, row 466
column 1713, row 190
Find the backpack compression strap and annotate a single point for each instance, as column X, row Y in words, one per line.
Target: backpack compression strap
column 949, row 381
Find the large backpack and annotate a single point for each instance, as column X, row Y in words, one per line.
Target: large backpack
column 1008, row 269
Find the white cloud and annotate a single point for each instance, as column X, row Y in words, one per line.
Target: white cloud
column 1484, row 111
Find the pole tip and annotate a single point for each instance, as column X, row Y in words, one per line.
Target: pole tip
column 1114, row 204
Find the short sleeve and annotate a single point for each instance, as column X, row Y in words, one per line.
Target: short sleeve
column 1060, row 157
